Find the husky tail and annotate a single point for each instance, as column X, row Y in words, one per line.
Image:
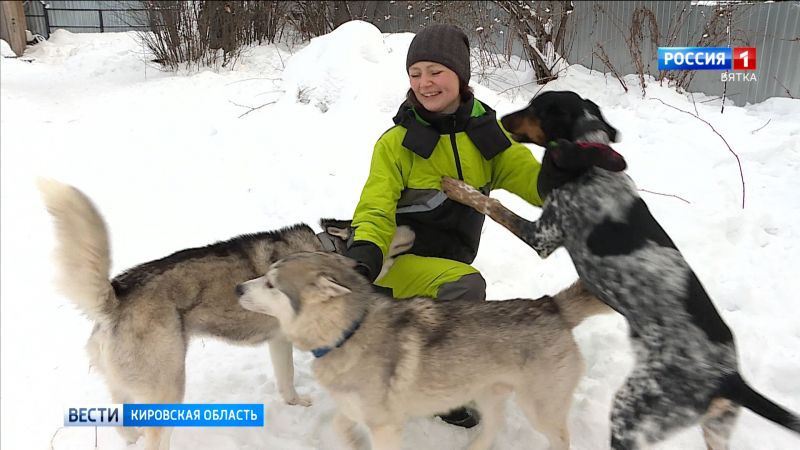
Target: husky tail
column 734, row 388
column 576, row 303
column 82, row 252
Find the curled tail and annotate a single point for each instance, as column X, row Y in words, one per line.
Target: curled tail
column 734, row 388
column 576, row 303
column 82, row 252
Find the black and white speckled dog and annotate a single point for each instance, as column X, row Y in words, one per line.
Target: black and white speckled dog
column 686, row 369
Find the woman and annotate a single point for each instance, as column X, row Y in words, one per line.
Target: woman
column 441, row 129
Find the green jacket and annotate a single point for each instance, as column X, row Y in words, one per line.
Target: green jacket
column 404, row 182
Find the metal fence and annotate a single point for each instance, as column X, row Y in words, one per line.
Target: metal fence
column 595, row 27
column 84, row 16
column 773, row 28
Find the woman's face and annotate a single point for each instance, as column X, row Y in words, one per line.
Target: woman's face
column 435, row 86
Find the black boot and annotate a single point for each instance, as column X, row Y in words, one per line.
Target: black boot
column 461, row 417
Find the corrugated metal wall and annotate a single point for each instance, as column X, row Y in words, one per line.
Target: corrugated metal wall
column 773, row 28
column 117, row 15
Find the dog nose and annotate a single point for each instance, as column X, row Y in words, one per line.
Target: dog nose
column 239, row 290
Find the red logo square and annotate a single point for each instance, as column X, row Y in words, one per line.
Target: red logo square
column 744, row 58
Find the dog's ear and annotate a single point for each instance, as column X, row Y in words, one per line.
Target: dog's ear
column 613, row 134
column 339, row 228
column 328, row 288
column 556, row 121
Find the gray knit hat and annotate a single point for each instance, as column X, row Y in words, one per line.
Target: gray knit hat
column 443, row 44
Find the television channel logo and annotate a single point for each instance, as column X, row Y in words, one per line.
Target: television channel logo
column 93, row 416
column 707, row 58
column 165, row 415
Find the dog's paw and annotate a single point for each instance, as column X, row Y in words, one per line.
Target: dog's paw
column 299, row 400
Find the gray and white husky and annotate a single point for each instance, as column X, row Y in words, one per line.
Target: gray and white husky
column 384, row 360
column 145, row 316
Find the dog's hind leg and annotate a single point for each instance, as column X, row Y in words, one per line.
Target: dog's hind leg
column 118, row 396
column 718, row 423
column 165, row 383
column 491, row 407
column 547, row 405
column 158, row 438
column 95, row 347
column 280, row 352
column 628, row 412
column 348, row 432
column 656, row 401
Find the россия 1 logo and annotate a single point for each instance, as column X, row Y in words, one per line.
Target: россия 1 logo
column 711, row 58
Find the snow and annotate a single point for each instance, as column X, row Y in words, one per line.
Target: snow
column 172, row 161
column 5, row 50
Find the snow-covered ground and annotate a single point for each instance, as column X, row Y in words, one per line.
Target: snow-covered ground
column 172, row 162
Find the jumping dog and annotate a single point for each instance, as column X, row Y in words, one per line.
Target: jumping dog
column 686, row 370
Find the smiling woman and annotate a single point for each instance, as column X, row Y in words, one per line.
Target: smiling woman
column 435, row 87
column 440, row 130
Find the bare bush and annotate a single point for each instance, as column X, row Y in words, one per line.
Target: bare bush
column 310, row 19
column 198, row 33
column 642, row 17
column 191, row 32
column 715, row 30
column 540, row 28
column 600, row 52
column 266, row 20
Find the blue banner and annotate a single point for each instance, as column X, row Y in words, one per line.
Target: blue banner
column 166, row 415
column 695, row 58
column 193, row 415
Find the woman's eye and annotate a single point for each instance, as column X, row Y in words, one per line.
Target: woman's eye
column 414, row 75
column 436, row 73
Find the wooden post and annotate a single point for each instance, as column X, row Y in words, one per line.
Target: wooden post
column 12, row 25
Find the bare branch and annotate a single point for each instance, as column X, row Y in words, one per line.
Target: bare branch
column 784, row 87
column 762, row 126
column 52, row 439
column 738, row 161
column 250, row 79
column 666, row 195
column 251, row 108
column 607, row 62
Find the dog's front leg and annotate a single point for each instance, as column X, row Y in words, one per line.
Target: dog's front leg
column 544, row 235
column 280, row 351
column 463, row 193
column 388, row 436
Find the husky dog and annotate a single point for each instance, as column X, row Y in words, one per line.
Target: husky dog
column 145, row 316
column 686, row 369
column 384, row 360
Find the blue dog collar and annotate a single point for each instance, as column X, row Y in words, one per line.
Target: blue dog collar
column 322, row 351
